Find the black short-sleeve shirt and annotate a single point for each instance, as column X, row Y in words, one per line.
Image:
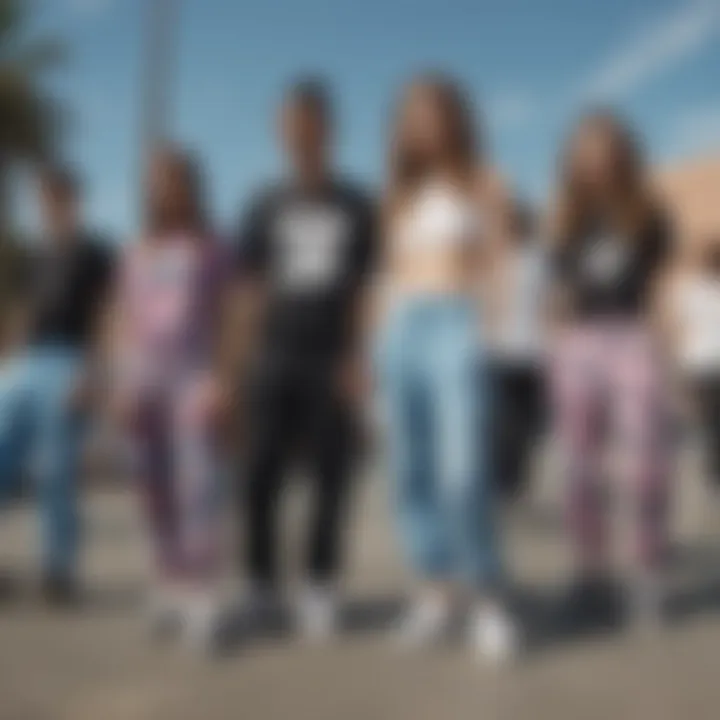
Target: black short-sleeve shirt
column 314, row 251
column 66, row 290
column 605, row 274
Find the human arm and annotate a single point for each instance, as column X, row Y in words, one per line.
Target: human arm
column 353, row 372
column 491, row 253
column 99, row 277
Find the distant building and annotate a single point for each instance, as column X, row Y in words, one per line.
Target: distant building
column 692, row 191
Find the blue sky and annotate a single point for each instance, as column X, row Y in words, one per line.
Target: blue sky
column 530, row 65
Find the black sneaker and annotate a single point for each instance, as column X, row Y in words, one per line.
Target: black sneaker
column 9, row 586
column 592, row 605
column 60, row 591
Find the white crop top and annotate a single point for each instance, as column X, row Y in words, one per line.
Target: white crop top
column 438, row 217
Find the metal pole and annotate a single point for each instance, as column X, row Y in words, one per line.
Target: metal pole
column 158, row 68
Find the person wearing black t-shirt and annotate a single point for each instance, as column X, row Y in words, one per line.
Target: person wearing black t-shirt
column 611, row 359
column 305, row 246
column 45, row 385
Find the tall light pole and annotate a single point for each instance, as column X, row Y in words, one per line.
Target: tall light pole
column 160, row 26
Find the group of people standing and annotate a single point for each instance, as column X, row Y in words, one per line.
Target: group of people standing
column 473, row 322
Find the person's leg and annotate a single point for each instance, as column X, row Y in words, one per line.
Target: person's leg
column 196, row 482
column 406, row 406
column 460, row 387
column 513, row 400
column 59, row 433
column 152, row 472
column 271, row 421
column 576, row 425
column 411, row 449
column 641, row 435
column 707, row 399
column 16, row 422
column 502, row 429
column 579, row 385
column 329, row 446
column 196, row 488
column 528, row 402
column 16, row 435
column 713, row 394
column 154, row 468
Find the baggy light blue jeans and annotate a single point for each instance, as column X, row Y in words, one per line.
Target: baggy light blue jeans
column 434, row 386
column 40, row 432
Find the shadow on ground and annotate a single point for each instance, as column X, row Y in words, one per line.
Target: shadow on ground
column 548, row 623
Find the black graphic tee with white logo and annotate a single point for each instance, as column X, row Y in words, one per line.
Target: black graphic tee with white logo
column 607, row 274
column 604, row 260
column 314, row 251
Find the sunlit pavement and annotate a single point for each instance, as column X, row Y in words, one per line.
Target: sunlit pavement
column 98, row 664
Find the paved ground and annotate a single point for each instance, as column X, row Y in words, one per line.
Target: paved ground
column 98, row 665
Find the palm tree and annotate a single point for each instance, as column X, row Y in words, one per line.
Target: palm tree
column 28, row 116
column 28, row 125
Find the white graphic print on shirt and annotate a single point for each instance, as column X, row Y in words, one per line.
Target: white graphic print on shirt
column 312, row 245
column 605, row 259
column 169, row 284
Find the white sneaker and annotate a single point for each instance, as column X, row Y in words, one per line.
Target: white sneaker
column 316, row 613
column 647, row 603
column 494, row 634
column 425, row 623
column 163, row 613
column 201, row 621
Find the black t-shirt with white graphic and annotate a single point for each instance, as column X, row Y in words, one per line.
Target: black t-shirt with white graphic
column 606, row 274
column 67, row 286
column 314, row 251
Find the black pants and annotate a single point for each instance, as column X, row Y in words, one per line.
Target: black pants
column 295, row 413
column 707, row 396
column 518, row 414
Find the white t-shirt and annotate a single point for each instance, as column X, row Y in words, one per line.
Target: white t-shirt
column 697, row 303
column 519, row 334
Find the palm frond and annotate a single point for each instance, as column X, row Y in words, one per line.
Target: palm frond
column 12, row 19
column 28, row 118
column 28, row 121
column 37, row 56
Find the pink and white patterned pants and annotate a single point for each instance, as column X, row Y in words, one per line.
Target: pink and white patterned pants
column 609, row 393
column 178, row 471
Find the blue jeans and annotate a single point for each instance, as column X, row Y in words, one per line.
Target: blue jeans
column 434, row 385
column 40, row 432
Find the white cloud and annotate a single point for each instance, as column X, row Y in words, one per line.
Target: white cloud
column 511, row 110
column 664, row 44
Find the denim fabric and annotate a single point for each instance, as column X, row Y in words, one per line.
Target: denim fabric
column 40, row 431
column 435, row 396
